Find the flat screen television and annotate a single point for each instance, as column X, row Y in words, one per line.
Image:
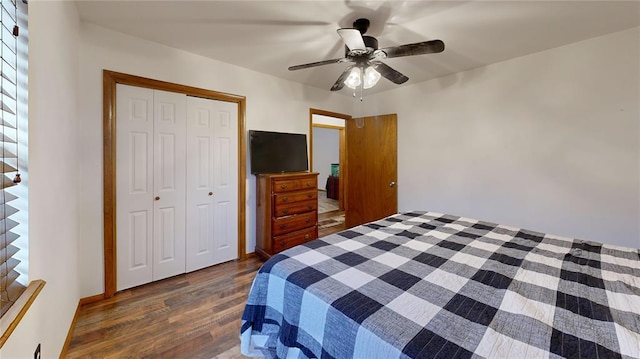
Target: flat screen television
column 278, row 152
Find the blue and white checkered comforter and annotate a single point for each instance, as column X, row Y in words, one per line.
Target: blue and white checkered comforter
column 427, row 285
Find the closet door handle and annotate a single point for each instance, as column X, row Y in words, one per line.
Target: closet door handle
column 157, row 198
column 210, row 193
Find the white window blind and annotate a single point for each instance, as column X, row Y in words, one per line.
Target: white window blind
column 10, row 282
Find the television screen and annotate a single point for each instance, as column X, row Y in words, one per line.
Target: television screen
column 277, row 152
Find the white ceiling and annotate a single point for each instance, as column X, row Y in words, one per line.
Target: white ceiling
column 269, row 36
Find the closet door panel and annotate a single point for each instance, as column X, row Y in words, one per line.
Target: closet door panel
column 169, row 184
column 211, row 182
column 134, row 186
column 200, row 251
column 225, row 182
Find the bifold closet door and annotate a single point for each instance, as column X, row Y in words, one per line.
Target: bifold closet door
column 212, row 182
column 150, row 185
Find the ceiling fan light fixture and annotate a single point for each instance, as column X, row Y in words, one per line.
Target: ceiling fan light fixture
column 371, row 77
column 353, row 80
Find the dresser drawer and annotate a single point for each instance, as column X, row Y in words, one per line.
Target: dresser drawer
column 287, row 209
column 286, row 185
column 288, row 224
column 284, row 198
column 289, row 240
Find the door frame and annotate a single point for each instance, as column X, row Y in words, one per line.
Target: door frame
column 109, row 81
column 342, row 184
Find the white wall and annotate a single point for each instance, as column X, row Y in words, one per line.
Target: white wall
column 272, row 104
column 326, row 150
column 548, row 141
column 53, row 173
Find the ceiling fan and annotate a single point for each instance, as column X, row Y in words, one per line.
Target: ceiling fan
column 362, row 51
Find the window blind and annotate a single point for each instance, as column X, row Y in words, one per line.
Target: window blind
column 10, row 285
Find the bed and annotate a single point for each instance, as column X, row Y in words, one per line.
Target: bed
column 431, row 285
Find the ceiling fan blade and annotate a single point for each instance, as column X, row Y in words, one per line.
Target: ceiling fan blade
column 425, row 47
column 314, row 64
column 352, row 38
column 389, row 73
column 339, row 84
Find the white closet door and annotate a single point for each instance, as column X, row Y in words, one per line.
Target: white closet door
column 212, row 177
column 134, row 186
column 169, row 142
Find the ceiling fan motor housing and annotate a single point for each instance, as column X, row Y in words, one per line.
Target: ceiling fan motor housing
column 370, row 42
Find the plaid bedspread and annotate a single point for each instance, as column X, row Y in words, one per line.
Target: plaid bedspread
column 427, row 285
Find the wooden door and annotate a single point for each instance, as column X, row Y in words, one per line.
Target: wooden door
column 212, row 182
column 372, row 172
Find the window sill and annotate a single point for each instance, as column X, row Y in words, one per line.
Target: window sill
column 12, row 317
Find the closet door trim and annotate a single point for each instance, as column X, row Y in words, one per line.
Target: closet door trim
column 110, row 79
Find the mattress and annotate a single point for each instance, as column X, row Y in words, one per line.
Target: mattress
column 431, row 285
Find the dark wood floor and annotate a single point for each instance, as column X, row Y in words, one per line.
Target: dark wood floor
column 194, row 315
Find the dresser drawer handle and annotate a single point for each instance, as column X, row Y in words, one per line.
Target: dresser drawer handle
column 307, row 236
column 285, row 199
column 283, row 226
column 285, row 211
column 309, row 207
column 309, row 184
column 310, row 195
column 308, row 220
column 283, row 186
column 282, row 243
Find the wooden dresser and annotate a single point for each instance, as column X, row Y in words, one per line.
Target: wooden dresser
column 287, row 211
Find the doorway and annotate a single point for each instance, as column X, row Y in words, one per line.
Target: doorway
column 328, row 159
